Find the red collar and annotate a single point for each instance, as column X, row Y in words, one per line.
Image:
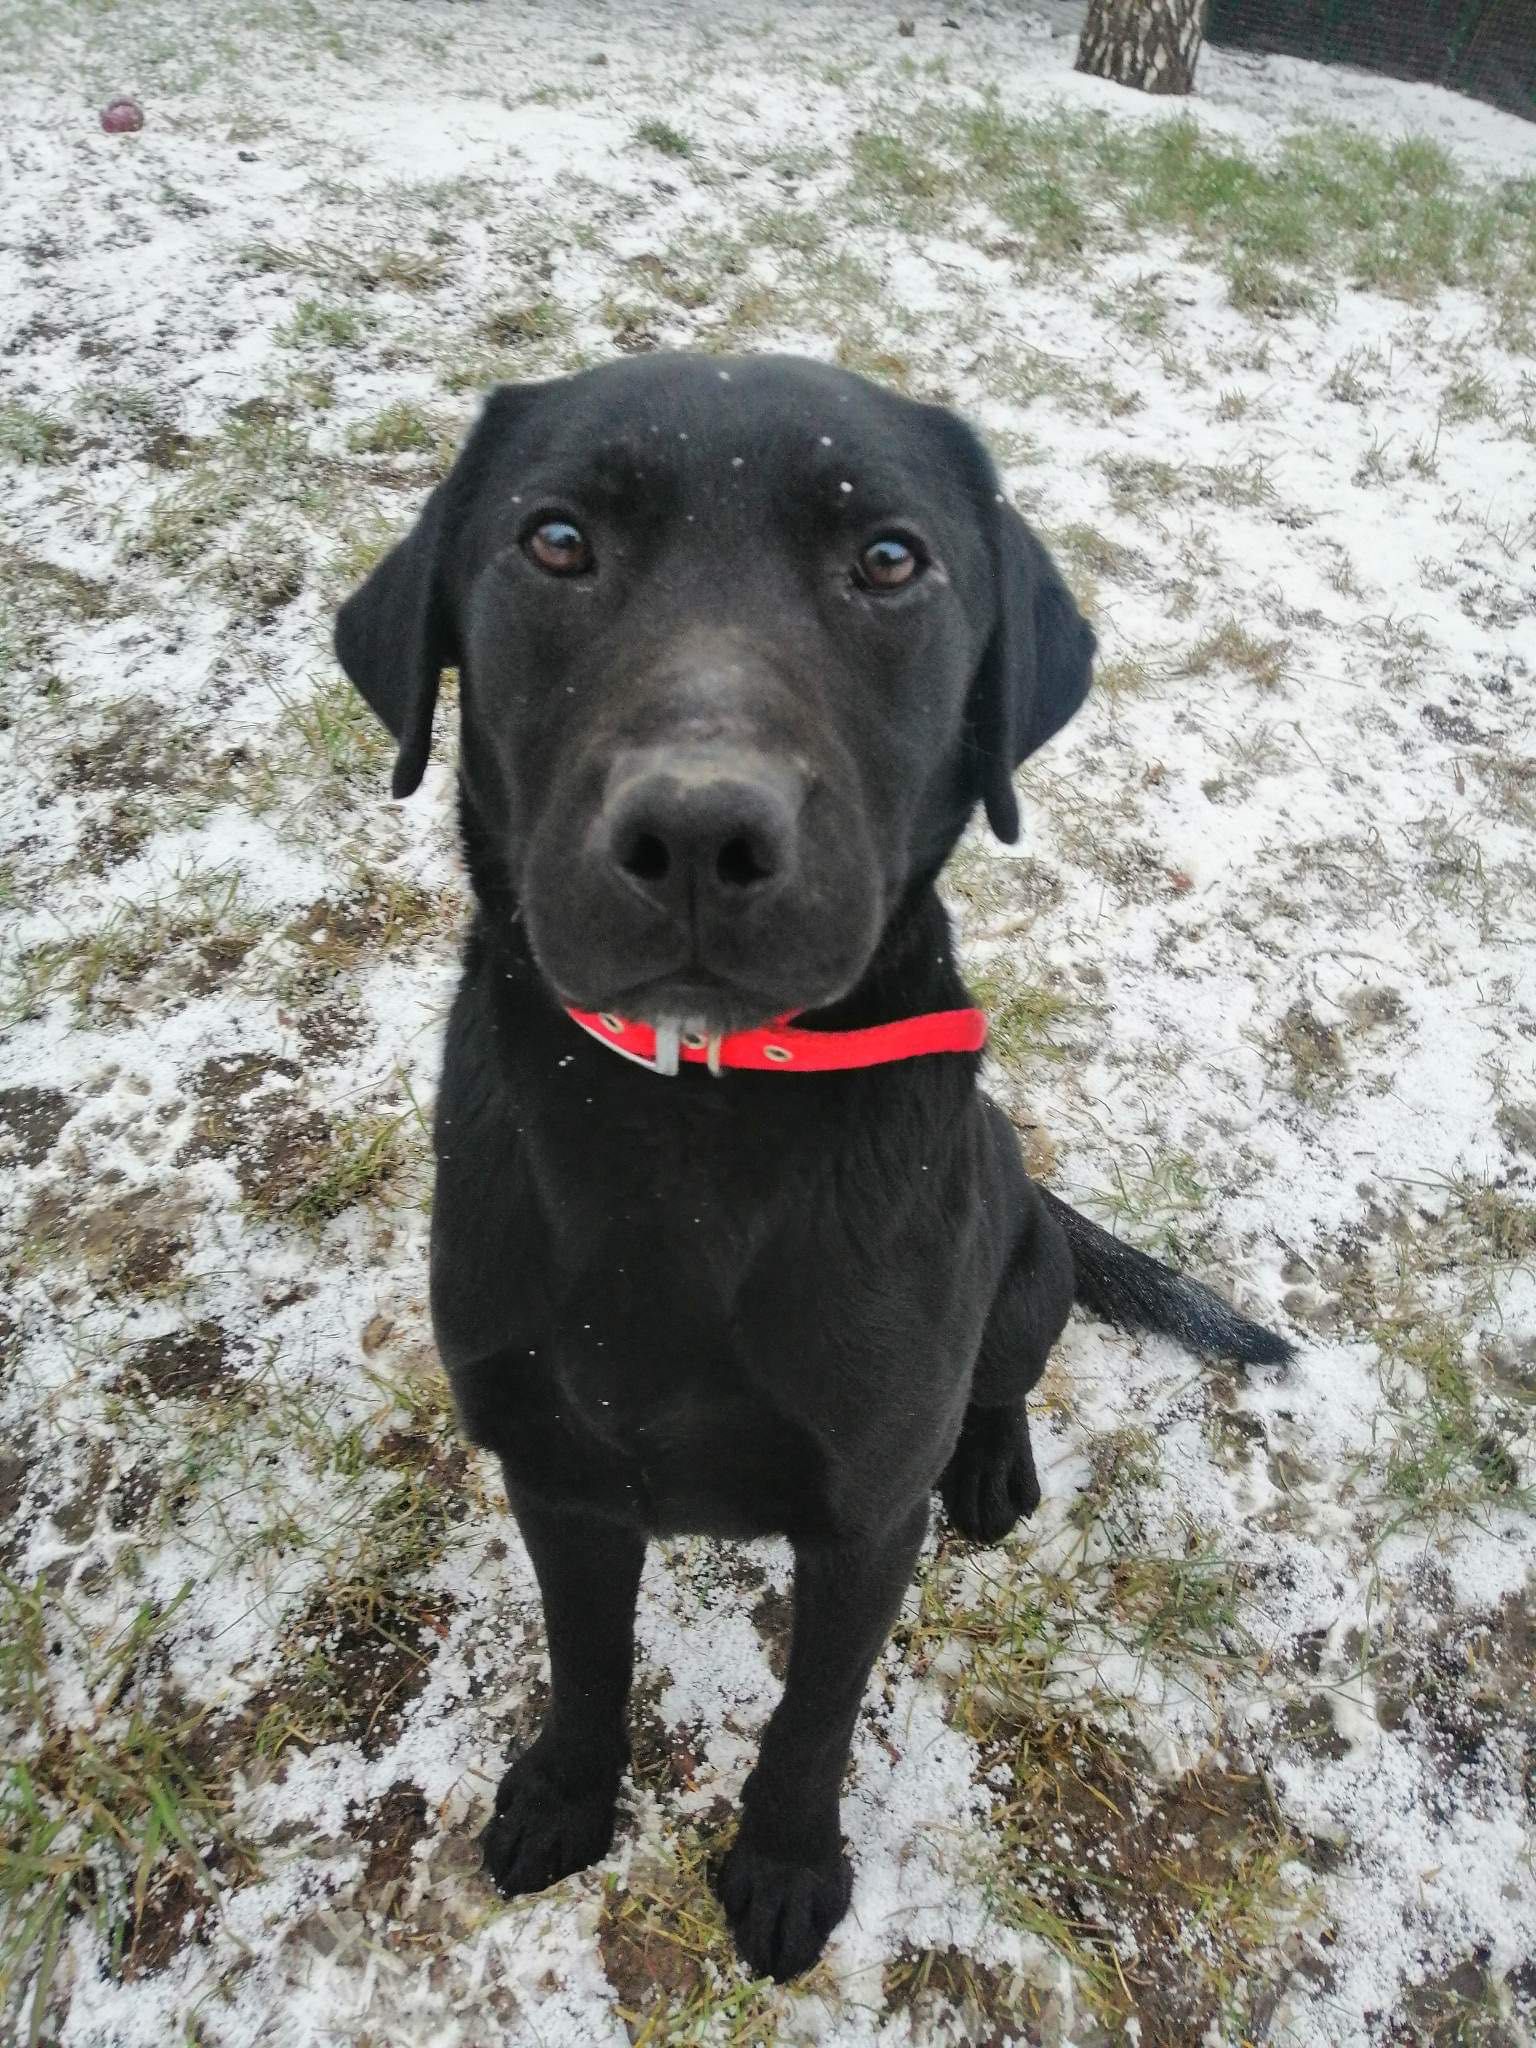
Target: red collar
column 779, row 1048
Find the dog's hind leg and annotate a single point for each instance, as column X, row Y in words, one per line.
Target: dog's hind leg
column 555, row 1806
column 990, row 1479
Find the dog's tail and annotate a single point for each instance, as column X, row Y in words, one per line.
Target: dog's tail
column 1124, row 1286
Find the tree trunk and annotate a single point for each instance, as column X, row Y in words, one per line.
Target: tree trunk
column 1151, row 44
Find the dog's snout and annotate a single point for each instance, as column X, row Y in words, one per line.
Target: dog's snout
column 708, row 831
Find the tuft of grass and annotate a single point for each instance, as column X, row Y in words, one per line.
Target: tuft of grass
column 400, row 429
column 184, row 519
column 1153, row 1202
column 1125, row 675
column 1328, row 204
column 1449, row 1453
column 263, row 570
column 1079, row 1814
column 891, row 166
column 181, row 943
column 1314, row 1051
column 1471, row 396
column 534, row 320
column 357, row 268
column 1140, row 308
column 339, row 735
column 1137, row 481
column 318, row 323
column 666, row 1951
column 122, row 1816
column 1021, row 1015
column 365, row 1155
column 661, row 135
column 363, row 1643
column 1503, row 1225
column 28, row 434
column 1085, row 549
column 1257, row 286
column 1231, row 646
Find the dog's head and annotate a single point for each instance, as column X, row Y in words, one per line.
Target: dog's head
column 740, row 644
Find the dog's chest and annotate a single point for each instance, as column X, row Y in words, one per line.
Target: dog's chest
column 649, row 1373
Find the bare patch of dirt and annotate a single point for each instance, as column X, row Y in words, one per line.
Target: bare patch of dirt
column 773, row 1617
column 132, row 1496
column 1314, row 1049
column 1309, row 1726
column 30, row 1122
column 1453, row 2010
column 131, row 1244
column 391, row 1828
column 173, row 1916
column 1373, row 1008
column 63, row 590
column 950, row 1995
column 107, row 842
column 1469, row 1694
column 251, row 1113
column 1178, row 1878
column 135, row 753
column 334, row 934
column 661, row 1758
column 662, row 1939
column 357, row 1655
column 327, row 1030
column 1517, row 1122
column 182, row 1362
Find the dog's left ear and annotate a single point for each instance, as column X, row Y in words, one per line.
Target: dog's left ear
column 1035, row 671
column 396, row 633
column 394, row 638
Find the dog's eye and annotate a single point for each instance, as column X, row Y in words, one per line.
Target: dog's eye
column 887, row 563
column 558, row 547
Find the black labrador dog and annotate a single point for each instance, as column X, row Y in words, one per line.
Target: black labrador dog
column 740, row 644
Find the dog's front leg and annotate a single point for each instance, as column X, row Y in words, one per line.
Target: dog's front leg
column 785, row 1883
column 555, row 1806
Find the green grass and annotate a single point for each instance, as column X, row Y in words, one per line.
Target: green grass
column 363, row 1642
column 121, row 1817
column 663, row 137
column 367, row 1156
column 1328, row 206
column 262, row 570
column 1449, row 1454
column 400, row 429
column 30, row 435
column 318, row 323
column 190, row 937
column 1153, row 1199
column 1022, row 1016
column 666, row 1951
column 1137, row 482
column 339, row 738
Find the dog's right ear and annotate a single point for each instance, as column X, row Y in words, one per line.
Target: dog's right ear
column 397, row 632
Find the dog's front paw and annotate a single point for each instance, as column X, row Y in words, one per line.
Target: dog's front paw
column 781, row 1912
column 990, row 1481
column 539, row 1833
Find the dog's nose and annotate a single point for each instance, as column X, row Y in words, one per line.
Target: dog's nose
column 710, row 830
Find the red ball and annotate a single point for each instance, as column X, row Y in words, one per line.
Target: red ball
column 122, row 117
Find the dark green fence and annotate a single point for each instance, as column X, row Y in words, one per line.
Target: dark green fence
column 1483, row 47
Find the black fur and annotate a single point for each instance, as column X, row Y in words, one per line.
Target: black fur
column 712, row 780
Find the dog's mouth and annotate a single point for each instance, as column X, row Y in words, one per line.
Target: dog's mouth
column 696, row 1000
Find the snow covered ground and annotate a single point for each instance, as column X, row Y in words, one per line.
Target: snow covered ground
column 1236, row 1742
